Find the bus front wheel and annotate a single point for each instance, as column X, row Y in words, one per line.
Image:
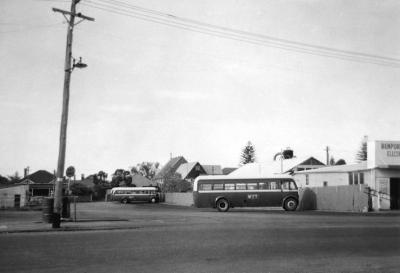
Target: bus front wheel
column 290, row 204
column 222, row 205
column 153, row 200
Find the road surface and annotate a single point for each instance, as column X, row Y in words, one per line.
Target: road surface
column 192, row 240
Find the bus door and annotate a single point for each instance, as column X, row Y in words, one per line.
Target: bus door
column 274, row 194
column 287, row 187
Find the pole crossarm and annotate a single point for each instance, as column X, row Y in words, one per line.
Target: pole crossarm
column 79, row 15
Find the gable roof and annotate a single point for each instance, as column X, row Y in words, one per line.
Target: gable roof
column 185, row 169
column 171, row 167
column 40, row 176
column 212, row 169
column 275, row 167
column 141, row 181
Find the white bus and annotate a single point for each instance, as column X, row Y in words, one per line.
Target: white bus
column 135, row 194
column 224, row 192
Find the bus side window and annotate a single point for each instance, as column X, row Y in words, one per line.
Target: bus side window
column 230, row 187
column 205, row 187
column 252, row 186
column 240, row 186
column 273, row 185
column 263, row 185
column 218, row 187
column 292, row 185
column 285, row 185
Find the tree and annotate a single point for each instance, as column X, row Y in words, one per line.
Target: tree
column 102, row 176
column 4, row 180
column 146, row 169
column 248, row 154
column 80, row 189
column 121, row 177
column 15, row 178
column 362, row 153
column 341, row 162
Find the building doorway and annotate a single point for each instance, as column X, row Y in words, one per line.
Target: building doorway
column 17, row 201
column 394, row 193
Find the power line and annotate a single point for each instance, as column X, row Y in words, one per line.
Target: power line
column 121, row 8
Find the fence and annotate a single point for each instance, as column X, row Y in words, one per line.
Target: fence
column 336, row 198
column 179, row 198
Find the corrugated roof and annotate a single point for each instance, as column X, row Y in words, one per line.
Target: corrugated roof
column 171, row 167
column 185, row 168
column 273, row 167
column 212, row 169
column 339, row 168
column 40, row 176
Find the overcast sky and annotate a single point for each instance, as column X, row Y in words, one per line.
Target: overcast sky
column 151, row 90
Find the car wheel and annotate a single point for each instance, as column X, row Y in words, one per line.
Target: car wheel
column 290, row 204
column 222, row 205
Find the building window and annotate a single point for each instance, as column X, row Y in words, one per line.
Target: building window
column 361, row 178
column 350, row 179
column 325, row 183
column 355, row 178
column 307, row 179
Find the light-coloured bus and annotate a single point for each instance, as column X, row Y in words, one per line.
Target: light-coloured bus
column 224, row 192
column 135, row 194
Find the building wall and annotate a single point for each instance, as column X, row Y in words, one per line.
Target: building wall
column 380, row 184
column 332, row 179
column 7, row 196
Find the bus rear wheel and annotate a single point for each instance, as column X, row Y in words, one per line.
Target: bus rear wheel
column 222, row 205
column 124, row 201
column 290, row 204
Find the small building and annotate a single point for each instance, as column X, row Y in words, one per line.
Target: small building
column 380, row 173
column 169, row 170
column 284, row 166
column 41, row 183
column 189, row 171
column 14, row 196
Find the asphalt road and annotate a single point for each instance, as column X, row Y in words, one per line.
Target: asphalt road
column 192, row 240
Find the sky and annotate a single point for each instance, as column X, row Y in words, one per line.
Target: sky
column 153, row 90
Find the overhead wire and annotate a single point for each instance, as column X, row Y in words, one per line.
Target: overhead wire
column 125, row 9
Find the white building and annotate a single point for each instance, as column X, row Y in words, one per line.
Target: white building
column 381, row 173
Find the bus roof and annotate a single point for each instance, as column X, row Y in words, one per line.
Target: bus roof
column 227, row 177
column 134, row 188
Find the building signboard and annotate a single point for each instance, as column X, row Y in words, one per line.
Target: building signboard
column 383, row 153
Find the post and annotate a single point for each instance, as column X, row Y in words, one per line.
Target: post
column 64, row 121
column 64, row 116
column 327, row 155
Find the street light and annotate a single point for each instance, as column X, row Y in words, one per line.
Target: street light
column 79, row 64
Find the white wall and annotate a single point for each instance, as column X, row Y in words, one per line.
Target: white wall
column 333, row 179
column 7, row 196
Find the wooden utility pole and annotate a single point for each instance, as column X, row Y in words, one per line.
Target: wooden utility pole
column 64, row 116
